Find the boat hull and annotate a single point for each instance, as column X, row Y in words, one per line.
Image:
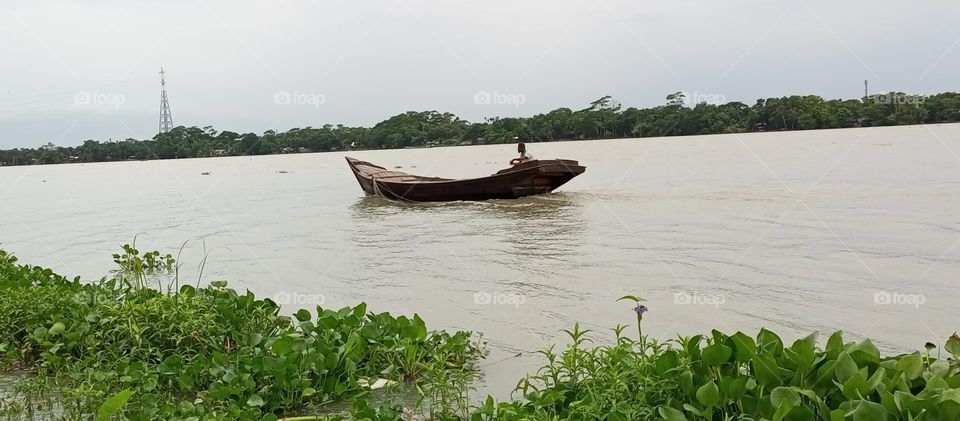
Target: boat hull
column 530, row 178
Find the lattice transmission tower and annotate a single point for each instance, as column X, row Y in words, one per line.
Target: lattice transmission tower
column 166, row 119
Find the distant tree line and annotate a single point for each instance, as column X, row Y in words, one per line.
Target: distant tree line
column 602, row 119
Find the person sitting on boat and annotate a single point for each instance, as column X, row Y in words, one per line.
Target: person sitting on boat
column 524, row 155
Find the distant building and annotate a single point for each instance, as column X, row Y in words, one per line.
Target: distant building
column 49, row 147
column 219, row 152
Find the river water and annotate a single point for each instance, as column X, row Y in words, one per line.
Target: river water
column 852, row 229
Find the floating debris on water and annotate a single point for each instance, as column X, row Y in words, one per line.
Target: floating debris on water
column 205, row 173
column 378, row 384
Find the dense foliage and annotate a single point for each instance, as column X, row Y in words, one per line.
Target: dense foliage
column 736, row 377
column 602, row 119
column 120, row 346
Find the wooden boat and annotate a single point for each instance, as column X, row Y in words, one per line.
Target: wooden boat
column 528, row 178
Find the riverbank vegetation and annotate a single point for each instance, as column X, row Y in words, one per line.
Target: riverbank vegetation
column 601, row 119
column 737, row 377
column 139, row 345
column 121, row 347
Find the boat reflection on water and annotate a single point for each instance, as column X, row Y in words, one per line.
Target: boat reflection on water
column 537, row 233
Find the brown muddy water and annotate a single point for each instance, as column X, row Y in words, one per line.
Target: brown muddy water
column 794, row 231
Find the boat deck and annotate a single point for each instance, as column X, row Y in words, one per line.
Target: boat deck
column 371, row 171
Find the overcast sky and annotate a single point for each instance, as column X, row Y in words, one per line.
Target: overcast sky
column 72, row 71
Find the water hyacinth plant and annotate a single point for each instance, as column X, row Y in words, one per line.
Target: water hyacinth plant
column 114, row 348
column 734, row 377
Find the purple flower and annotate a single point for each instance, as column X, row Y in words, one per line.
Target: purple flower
column 640, row 309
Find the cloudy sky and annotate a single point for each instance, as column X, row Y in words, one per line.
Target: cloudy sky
column 72, row 71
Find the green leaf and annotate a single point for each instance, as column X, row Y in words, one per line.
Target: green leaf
column 784, row 395
column 825, row 374
column 56, row 329
column 782, row 410
column 951, row 395
column 815, row 399
column 686, row 382
column 717, row 354
column 734, row 387
column 692, row 345
column 693, row 410
column 911, row 365
column 802, row 353
column 282, row 346
column 846, row 367
column 837, row 415
column 667, row 361
column 671, row 414
column 889, row 401
column 746, row 347
column 218, row 284
column 769, row 342
column 869, row 411
column 417, row 329
column 360, row 310
column 874, row 381
column 766, row 370
column 936, row 382
column 708, row 395
column 631, row 298
column 303, row 315
column 953, row 346
column 854, row 386
column 835, row 344
column 309, row 391
column 255, row 400
column 940, row 367
column 114, row 405
column 864, row 352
